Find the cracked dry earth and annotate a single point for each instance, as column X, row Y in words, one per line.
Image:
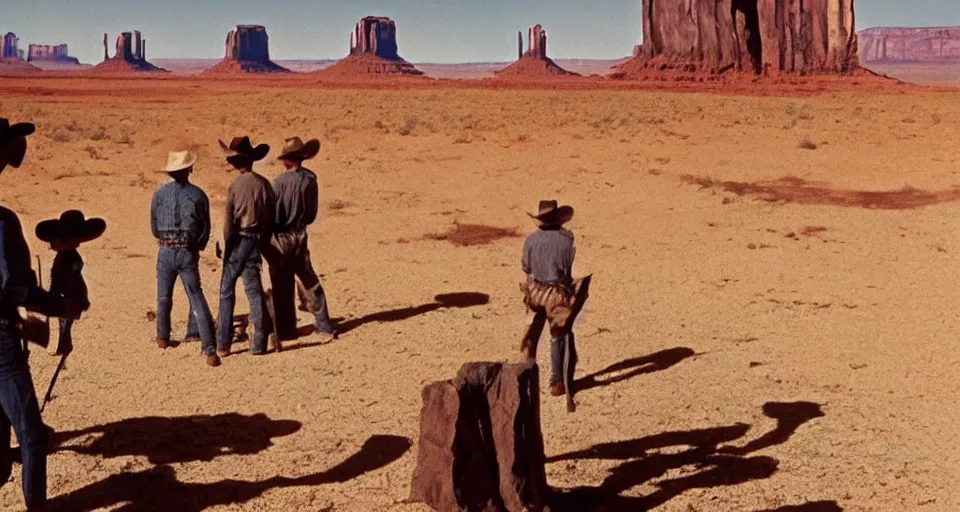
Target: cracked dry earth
column 741, row 350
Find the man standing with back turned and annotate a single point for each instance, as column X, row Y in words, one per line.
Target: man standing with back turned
column 18, row 284
column 246, row 227
column 289, row 254
column 180, row 221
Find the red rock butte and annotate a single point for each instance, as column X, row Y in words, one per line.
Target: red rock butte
column 893, row 44
column 53, row 53
column 247, row 51
column 130, row 55
column 759, row 36
column 373, row 52
column 533, row 63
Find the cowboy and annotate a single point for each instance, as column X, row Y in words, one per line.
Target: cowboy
column 180, row 221
column 65, row 235
column 18, row 288
column 549, row 292
column 289, row 253
column 247, row 226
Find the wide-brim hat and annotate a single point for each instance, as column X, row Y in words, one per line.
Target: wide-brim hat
column 295, row 147
column 551, row 214
column 241, row 146
column 179, row 161
column 9, row 131
column 72, row 225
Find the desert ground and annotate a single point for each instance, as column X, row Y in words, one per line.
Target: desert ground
column 772, row 324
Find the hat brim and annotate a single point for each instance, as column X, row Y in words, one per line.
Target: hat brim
column 255, row 153
column 182, row 167
column 55, row 229
column 309, row 150
column 560, row 216
column 17, row 130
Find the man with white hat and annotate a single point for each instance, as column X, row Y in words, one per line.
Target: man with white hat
column 18, row 288
column 180, row 221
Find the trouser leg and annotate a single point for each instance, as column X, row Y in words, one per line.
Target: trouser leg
column 531, row 337
column 19, row 402
column 254, row 290
column 228, row 298
column 284, row 310
column 201, row 319
column 166, row 276
column 313, row 288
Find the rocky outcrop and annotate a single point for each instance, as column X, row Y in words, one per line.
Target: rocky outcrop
column 373, row 52
column 934, row 44
column 714, row 36
column 130, row 54
column 481, row 447
column 247, row 51
column 533, row 63
column 54, row 53
column 10, row 46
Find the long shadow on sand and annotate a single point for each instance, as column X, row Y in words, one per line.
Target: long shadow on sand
column 812, row 506
column 647, row 459
column 178, row 439
column 158, row 488
column 634, row 367
column 459, row 300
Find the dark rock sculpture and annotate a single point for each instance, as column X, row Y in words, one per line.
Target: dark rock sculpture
column 130, row 54
column 533, row 63
column 481, row 447
column 247, row 50
column 373, row 51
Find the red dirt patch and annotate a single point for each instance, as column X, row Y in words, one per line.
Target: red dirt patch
column 466, row 235
column 795, row 190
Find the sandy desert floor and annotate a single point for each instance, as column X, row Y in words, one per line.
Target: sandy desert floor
column 772, row 321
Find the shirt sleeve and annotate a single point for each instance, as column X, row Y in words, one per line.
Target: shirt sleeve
column 17, row 280
column 311, row 198
column 525, row 260
column 154, row 227
column 229, row 220
column 204, row 215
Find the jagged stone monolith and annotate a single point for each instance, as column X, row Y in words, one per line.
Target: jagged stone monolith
column 715, row 36
column 129, row 54
column 533, row 63
column 247, row 49
column 373, row 52
column 10, row 46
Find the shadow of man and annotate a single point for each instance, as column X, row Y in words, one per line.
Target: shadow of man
column 158, row 488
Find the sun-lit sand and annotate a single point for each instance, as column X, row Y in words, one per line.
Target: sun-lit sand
column 763, row 331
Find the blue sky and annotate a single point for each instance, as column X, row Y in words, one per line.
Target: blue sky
column 428, row 30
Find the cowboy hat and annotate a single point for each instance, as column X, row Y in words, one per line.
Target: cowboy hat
column 294, row 147
column 550, row 214
column 180, row 161
column 9, row 132
column 71, row 226
column 240, row 146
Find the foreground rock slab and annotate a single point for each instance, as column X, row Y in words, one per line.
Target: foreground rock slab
column 481, row 447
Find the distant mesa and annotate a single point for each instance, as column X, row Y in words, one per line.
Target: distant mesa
column 247, row 51
column 789, row 36
column 11, row 56
column 130, row 55
column 926, row 45
column 373, row 52
column 51, row 53
column 533, row 63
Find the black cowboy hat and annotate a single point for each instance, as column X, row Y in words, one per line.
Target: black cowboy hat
column 72, row 225
column 550, row 214
column 14, row 135
column 240, row 146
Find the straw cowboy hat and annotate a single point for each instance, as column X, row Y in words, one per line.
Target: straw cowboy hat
column 241, row 146
column 294, row 147
column 550, row 214
column 72, row 225
column 180, row 161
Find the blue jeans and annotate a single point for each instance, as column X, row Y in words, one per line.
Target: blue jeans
column 183, row 263
column 243, row 259
column 21, row 412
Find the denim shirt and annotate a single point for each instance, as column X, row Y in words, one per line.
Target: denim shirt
column 181, row 212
